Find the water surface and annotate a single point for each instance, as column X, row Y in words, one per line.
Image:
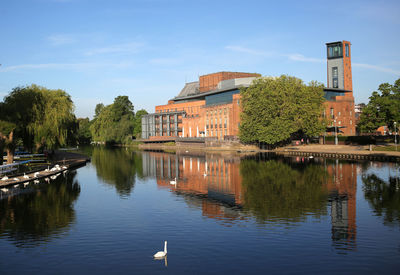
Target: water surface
column 226, row 214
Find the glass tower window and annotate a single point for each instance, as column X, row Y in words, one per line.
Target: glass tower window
column 335, row 81
column 335, row 51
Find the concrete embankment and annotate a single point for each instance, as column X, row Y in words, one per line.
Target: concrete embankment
column 356, row 152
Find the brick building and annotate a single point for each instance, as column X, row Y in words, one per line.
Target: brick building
column 339, row 105
column 210, row 107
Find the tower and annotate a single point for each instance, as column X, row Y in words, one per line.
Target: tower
column 339, row 105
column 339, row 65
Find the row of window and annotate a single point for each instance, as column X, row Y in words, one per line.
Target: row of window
column 216, row 133
column 216, row 112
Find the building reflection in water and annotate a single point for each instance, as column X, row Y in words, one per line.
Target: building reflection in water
column 343, row 187
column 213, row 179
column 302, row 186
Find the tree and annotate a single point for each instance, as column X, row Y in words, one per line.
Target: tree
column 6, row 138
column 383, row 108
column 83, row 134
column 42, row 117
column 114, row 124
column 137, row 127
column 98, row 109
column 276, row 108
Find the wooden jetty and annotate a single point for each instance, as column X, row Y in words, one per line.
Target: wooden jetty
column 63, row 162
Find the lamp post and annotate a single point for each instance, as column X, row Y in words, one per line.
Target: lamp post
column 395, row 135
column 336, row 140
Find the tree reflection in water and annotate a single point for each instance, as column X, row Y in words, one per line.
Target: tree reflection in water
column 118, row 167
column 38, row 216
column 274, row 190
column 383, row 197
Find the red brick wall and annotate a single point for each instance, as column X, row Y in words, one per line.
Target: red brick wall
column 210, row 81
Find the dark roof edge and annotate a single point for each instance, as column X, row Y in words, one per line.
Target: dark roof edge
column 205, row 94
column 337, row 90
column 333, row 42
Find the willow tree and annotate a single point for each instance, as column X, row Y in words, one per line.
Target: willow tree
column 53, row 117
column 41, row 116
column 274, row 108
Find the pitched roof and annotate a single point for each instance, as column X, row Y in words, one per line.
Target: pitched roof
column 190, row 88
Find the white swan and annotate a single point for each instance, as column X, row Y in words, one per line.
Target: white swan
column 25, row 176
column 26, row 184
column 36, row 174
column 16, row 179
column 173, row 182
column 36, row 181
column 161, row 254
column 4, row 178
column 5, row 190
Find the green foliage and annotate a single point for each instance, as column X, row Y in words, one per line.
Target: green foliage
column 43, row 117
column 383, row 108
column 137, row 127
column 114, row 124
column 84, row 135
column 98, row 109
column 276, row 108
column 273, row 189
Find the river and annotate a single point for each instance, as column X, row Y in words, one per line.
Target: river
column 225, row 213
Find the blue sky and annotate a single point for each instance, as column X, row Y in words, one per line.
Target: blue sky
column 147, row 49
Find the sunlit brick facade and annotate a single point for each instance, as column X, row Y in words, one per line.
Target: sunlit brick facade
column 210, row 107
column 339, row 105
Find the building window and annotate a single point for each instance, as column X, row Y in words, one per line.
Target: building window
column 226, row 132
column 338, row 113
column 238, row 102
column 332, row 113
column 335, row 50
column 340, row 122
column 335, row 81
column 347, row 50
column 351, row 122
column 351, row 113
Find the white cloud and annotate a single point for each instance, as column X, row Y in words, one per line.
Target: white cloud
column 164, row 61
column 64, row 66
column 293, row 57
column 61, row 39
column 247, row 50
column 302, row 58
column 132, row 47
column 377, row 68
